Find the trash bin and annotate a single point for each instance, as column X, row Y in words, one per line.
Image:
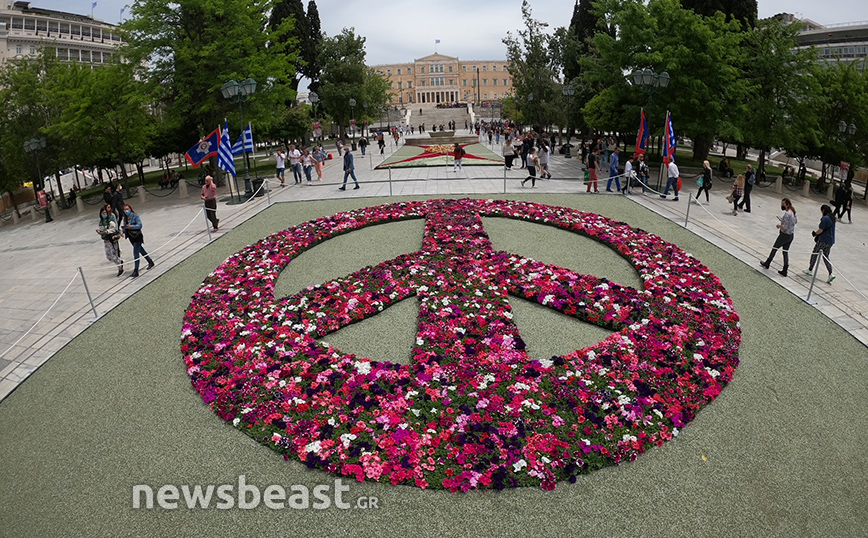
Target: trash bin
column 587, row 177
column 257, row 186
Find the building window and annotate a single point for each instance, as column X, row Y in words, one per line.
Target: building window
column 18, row 49
column 450, row 68
column 495, row 96
column 484, row 68
column 52, row 27
column 474, row 68
column 423, row 83
column 75, row 30
column 494, row 68
column 62, row 54
column 409, row 84
column 464, row 82
column 29, row 24
column 85, row 31
column 485, row 96
column 17, row 24
column 464, row 68
column 485, row 82
column 32, row 50
column 41, row 26
column 450, row 82
column 495, row 81
column 85, row 56
column 399, row 70
column 399, row 86
column 389, row 72
column 506, row 82
column 64, row 28
column 422, row 70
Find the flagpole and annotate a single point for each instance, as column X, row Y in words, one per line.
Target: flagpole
column 230, row 179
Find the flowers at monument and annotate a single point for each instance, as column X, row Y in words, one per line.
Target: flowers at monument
column 474, row 409
column 412, row 155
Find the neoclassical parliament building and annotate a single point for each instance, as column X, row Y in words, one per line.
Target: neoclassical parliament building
column 440, row 79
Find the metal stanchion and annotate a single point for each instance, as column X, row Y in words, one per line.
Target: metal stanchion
column 504, row 179
column 687, row 215
column 390, row 181
column 207, row 227
column 814, row 272
column 89, row 298
column 267, row 190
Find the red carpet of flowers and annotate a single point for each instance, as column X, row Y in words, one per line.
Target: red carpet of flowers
column 473, row 410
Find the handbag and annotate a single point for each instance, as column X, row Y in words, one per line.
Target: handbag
column 700, row 181
column 135, row 236
column 679, row 183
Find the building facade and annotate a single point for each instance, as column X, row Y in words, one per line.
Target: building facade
column 443, row 80
column 25, row 29
column 846, row 42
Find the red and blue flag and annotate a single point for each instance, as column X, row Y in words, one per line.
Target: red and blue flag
column 642, row 137
column 204, row 149
column 668, row 140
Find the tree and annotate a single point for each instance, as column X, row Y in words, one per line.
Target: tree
column 345, row 76
column 310, row 48
column 534, row 71
column 192, row 47
column 780, row 91
column 293, row 12
column 744, row 11
column 699, row 54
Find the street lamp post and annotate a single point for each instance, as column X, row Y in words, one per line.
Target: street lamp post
column 34, row 146
column 650, row 82
column 569, row 90
column 314, row 99
column 240, row 92
column 845, row 129
column 365, row 106
column 353, row 123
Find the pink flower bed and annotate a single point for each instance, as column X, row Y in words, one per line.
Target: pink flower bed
column 473, row 410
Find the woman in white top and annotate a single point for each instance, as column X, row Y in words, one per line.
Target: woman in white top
column 787, row 229
column 543, row 156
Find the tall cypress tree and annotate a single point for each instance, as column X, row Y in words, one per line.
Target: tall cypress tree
column 294, row 9
column 311, row 46
column 583, row 26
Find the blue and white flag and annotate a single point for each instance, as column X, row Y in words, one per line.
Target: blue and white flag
column 247, row 137
column 436, row 41
column 93, row 6
column 204, row 149
column 224, row 155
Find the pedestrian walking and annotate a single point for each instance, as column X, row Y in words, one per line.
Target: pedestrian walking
column 672, row 174
column 508, row 153
column 843, row 201
column 133, row 231
column 642, row 174
column 532, row 164
column 593, row 160
column 381, row 142
column 209, row 196
column 458, row 154
column 349, row 170
column 307, row 164
column 543, row 156
column 786, row 229
column 109, row 232
column 824, row 238
column 118, row 201
column 704, row 182
column 736, row 194
column 295, row 163
column 280, row 156
column 749, row 182
column 614, row 169
column 318, row 160
column 363, row 145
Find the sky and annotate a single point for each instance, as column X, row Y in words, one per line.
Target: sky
column 402, row 30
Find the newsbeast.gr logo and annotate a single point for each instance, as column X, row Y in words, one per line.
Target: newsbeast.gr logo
column 246, row 496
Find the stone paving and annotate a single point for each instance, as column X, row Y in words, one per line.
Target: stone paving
column 39, row 262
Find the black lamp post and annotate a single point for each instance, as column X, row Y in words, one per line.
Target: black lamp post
column 568, row 91
column 314, row 100
column 845, row 129
column 33, row 146
column 650, row 82
column 365, row 106
column 241, row 92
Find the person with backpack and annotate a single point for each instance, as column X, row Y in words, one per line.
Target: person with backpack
column 532, row 164
column 824, row 238
column 458, row 153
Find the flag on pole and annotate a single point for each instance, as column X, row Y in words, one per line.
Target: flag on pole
column 122, row 11
column 204, row 149
column 93, row 6
column 642, row 137
column 224, row 155
column 247, row 138
column 668, row 140
column 436, row 41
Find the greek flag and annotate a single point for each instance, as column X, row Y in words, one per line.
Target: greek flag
column 93, row 6
column 224, row 153
column 436, row 41
column 247, row 137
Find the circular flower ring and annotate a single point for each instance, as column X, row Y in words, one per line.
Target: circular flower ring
column 472, row 409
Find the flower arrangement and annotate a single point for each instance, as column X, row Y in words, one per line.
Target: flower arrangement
column 473, row 410
column 413, row 156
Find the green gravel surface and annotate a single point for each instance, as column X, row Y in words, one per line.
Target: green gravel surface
column 779, row 453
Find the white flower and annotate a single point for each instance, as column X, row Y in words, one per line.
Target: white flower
column 519, row 465
column 313, row 447
column 347, row 438
column 363, row 368
column 546, row 363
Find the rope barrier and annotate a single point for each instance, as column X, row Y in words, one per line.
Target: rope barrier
column 152, row 193
column 41, row 317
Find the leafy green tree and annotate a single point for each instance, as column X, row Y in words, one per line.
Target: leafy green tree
column 535, row 72
column 292, row 11
column 779, row 107
column 699, row 54
column 310, row 48
column 345, row 76
column 192, row 47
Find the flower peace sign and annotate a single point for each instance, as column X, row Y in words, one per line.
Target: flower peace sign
column 473, row 409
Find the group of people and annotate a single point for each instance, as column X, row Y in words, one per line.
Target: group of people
column 303, row 163
column 116, row 220
column 824, row 239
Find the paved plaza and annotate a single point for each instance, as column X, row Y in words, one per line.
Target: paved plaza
column 44, row 304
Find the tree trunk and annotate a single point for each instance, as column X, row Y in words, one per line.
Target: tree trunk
column 701, row 147
column 141, row 171
column 740, row 152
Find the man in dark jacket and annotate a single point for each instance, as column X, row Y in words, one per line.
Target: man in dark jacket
column 349, row 170
column 118, row 202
